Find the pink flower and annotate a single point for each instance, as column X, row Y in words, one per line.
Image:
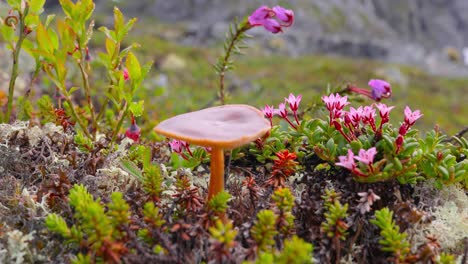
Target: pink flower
column 354, row 116
column 176, row 145
column 384, row 110
column 260, row 15
column 293, row 101
column 268, row 111
column 411, row 117
column 367, row 199
column 126, row 75
column 366, row 157
column 284, row 15
column 282, row 111
column 347, row 161
column 380, row 89
column 264, row 16
column 368, row 116
column 335, row 101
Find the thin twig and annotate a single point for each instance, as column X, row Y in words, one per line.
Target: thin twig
column 458, row 135
column 14, row 68
column 84, row 76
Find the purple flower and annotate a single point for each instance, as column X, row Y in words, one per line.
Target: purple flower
column 293, row 101
column 380, row 89
column 347, row 161
column 411, row 117
column 284, row 15
column 366, row 157
column 264, row 16
column 260, row 15
column 272, row 25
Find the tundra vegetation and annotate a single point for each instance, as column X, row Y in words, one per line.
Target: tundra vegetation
column 341, row 177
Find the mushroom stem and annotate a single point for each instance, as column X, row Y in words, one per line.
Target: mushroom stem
column 217, row 172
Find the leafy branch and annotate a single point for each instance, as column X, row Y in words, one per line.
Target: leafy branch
column 233, row 44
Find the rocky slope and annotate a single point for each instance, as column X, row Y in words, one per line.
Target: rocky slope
column 423, row 32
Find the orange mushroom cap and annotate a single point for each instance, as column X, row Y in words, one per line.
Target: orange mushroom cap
column 226, row 127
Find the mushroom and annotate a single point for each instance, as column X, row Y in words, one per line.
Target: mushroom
column 220, row 128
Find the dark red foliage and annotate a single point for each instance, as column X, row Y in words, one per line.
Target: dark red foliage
column 284, row 166
column 62, row 119
column 187, row 196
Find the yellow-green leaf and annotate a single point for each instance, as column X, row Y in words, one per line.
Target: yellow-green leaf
column 36, row 6
column 43, row 39
column 133, row 67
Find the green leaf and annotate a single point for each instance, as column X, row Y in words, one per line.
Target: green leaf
column 57, row 224
column 444, row 172
column 7, row 32
column 15, row 4
column 397, row 163
column 48, row 20
column 68, row 7
column 133, row 67
column 36, row 6
column 110, row 34
column 118, row 23
column 131, row 168
column 43, row 39
column 137, row 108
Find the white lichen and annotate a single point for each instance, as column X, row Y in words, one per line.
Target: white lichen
column 17, row 249
column 28, row 199
column 113, row 179
column 6, row 130
column 449, row 208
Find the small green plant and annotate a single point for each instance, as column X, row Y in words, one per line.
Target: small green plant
column 154, row 221
column 150, row 173
column 335, row 226
column 64, row 43
column 15, row 28
column 223, row 240
column 284, row 201
column 295, row 251
column 100, row 233
column 264, row 231
column 392, row 240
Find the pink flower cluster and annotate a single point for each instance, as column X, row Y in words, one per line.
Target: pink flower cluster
column 293, row 102
column 352, row 119
column 410, row 119
column 265, row 16
column 365, row 157
column 379, row 89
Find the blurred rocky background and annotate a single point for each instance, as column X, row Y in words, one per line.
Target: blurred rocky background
column 416, row 45
column 428, row 33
